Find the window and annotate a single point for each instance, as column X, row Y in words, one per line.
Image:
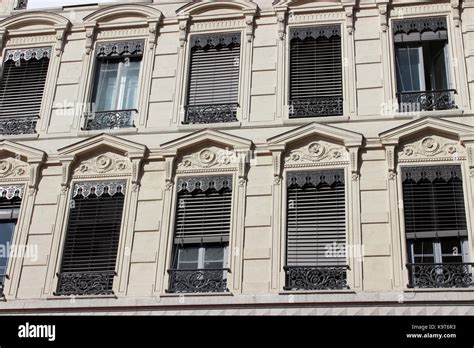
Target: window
column 213, row 88
column 92, row 237
column 10, row 200
column 202, row 228
column 316, row 230
column 435, row 226
column 22, row 87
column 422, row 66
column 116, row 86
column 315, row 72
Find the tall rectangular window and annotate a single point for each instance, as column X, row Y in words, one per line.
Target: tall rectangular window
column 116, row 85
column 22, row 87
column 422, row 65
column 213, row 88
column 316, row 230
column 201, row 238
column 10, row 201
column 92, row 237
column 435, row 226
column 315, row 72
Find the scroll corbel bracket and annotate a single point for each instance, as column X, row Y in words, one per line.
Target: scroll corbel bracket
column 60, row 39
column 183, row 30
column 383, row 14
column 153, row 32
column 249, row 26
column 90, row 37
column 456, row 12
column 281, row 19
column 349, row 11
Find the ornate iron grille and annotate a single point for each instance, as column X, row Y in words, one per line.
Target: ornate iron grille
column 198, row 280
column 213, row 113
column 440, row 275
column 15, row 126
column 21, row 5
column 110, row 119
column 314, row 107
column 316, row 277
column 426, row 100
column 85, row 283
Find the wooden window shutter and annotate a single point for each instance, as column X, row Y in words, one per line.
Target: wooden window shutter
column 316, row 72
column 316, row 218
column 433, row 201
column 203, row 213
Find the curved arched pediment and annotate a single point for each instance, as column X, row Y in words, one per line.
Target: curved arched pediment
column 305, row 3
column 116, row 13
column 34, row 20
column 203, row 7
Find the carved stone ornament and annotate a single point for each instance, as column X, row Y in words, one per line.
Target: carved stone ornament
column 11, row 191
column 105, row 163
column 11, row 168
column 316, row 152
column 99, row 188
column 431, row 147
column 28, row 53
column 208, row 158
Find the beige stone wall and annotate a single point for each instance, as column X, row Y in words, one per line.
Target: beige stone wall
column 369, row 135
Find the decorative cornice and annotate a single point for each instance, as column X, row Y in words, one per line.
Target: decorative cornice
column 99, row 188
column 28, row 53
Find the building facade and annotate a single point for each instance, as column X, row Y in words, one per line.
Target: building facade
column 237, row 157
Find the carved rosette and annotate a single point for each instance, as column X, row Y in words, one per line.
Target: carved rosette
column 316, row 152
column 107, row 163
column 431, row 148
column 11, row 168
column 208, row 158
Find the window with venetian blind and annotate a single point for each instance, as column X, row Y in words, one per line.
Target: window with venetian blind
column 435, row 226
column 116, row 85
column 316, row 230
column 92, row 237
column 22, row 86
column 201, row 237
column 10, row 201
column 315, row 72
column 213, row 86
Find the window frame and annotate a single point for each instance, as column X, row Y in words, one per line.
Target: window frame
column 187, row 77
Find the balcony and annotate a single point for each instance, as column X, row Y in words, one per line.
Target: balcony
column 440, row 275
column 18, row 125
column 316, row 107
column 212, row 113
column 198, row 280
column 99, row 120
column 85, row 283
column 316, row 277
column 426, row 100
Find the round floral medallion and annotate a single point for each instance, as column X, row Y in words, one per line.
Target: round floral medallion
column 295, row 157
column 451, row 149
column 187, row 163
column 121, row 166
column 5, row 167
column 316, row 149
column 429, row 144
column 20, row 171
column 408, row 151
column 103, row 162
column 207, row 156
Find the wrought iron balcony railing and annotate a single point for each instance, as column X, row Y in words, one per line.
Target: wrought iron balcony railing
column 21, row 4
column 316, row 107
column 440, row 275
column 18, row 125
column 316, row 277
column 98, row 120
column 85, row 283
column 3, row 276
column 212, row 113
column 426, row 100
column 198, row 280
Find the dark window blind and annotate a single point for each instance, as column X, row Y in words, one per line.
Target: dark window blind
column 203, row 213
column 433, row 202
column 93, row 231
column 316, row 71
column 316, row 218
column 22, row 87
column 214, row 69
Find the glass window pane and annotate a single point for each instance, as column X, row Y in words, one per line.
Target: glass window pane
column 423, row 246
column 214, row 264
column 106, row 85
column 450, row 246
column 424, row 259
column 129, row 85
column 214, row 254
column 408, row 68
column 188, row 254
column 6, row 234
